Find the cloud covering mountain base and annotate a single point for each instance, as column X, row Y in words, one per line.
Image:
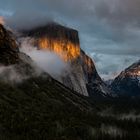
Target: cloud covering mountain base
column 48, row 61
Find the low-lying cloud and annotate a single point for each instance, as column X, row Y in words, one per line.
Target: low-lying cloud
column 10, row 74
column 46, row 60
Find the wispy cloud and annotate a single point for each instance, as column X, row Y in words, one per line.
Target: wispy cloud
column 46, row 60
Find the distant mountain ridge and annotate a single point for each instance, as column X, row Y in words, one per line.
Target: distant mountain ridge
column 128, row 82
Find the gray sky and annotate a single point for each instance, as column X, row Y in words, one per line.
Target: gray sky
column 109, row 29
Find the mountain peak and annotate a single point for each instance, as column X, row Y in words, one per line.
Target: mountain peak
column 56, row 38
column 128, row 82
column 55, row 31
column 82, row 75
column 134, row 69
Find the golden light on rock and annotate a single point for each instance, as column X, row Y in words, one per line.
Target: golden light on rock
column 67, row 50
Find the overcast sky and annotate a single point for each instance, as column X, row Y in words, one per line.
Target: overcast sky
column 109, row 29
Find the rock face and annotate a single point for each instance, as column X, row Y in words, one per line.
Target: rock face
column 128, row 82
column 8, row 48
column 82, row 75
column 95, row 86
column 14, row 65
column 61, row 40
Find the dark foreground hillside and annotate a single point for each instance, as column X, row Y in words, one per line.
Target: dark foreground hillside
column 41, row 108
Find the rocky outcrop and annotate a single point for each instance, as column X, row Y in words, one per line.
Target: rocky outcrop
column 65, row 43
column 56, row 38
column 82, row 75
column 95, row 86
column 14, row 65
column 8, row 48
column 128, row 82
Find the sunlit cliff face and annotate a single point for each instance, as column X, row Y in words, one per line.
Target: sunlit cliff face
column 87, row 63
column 67, row 50
column 56, row 38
